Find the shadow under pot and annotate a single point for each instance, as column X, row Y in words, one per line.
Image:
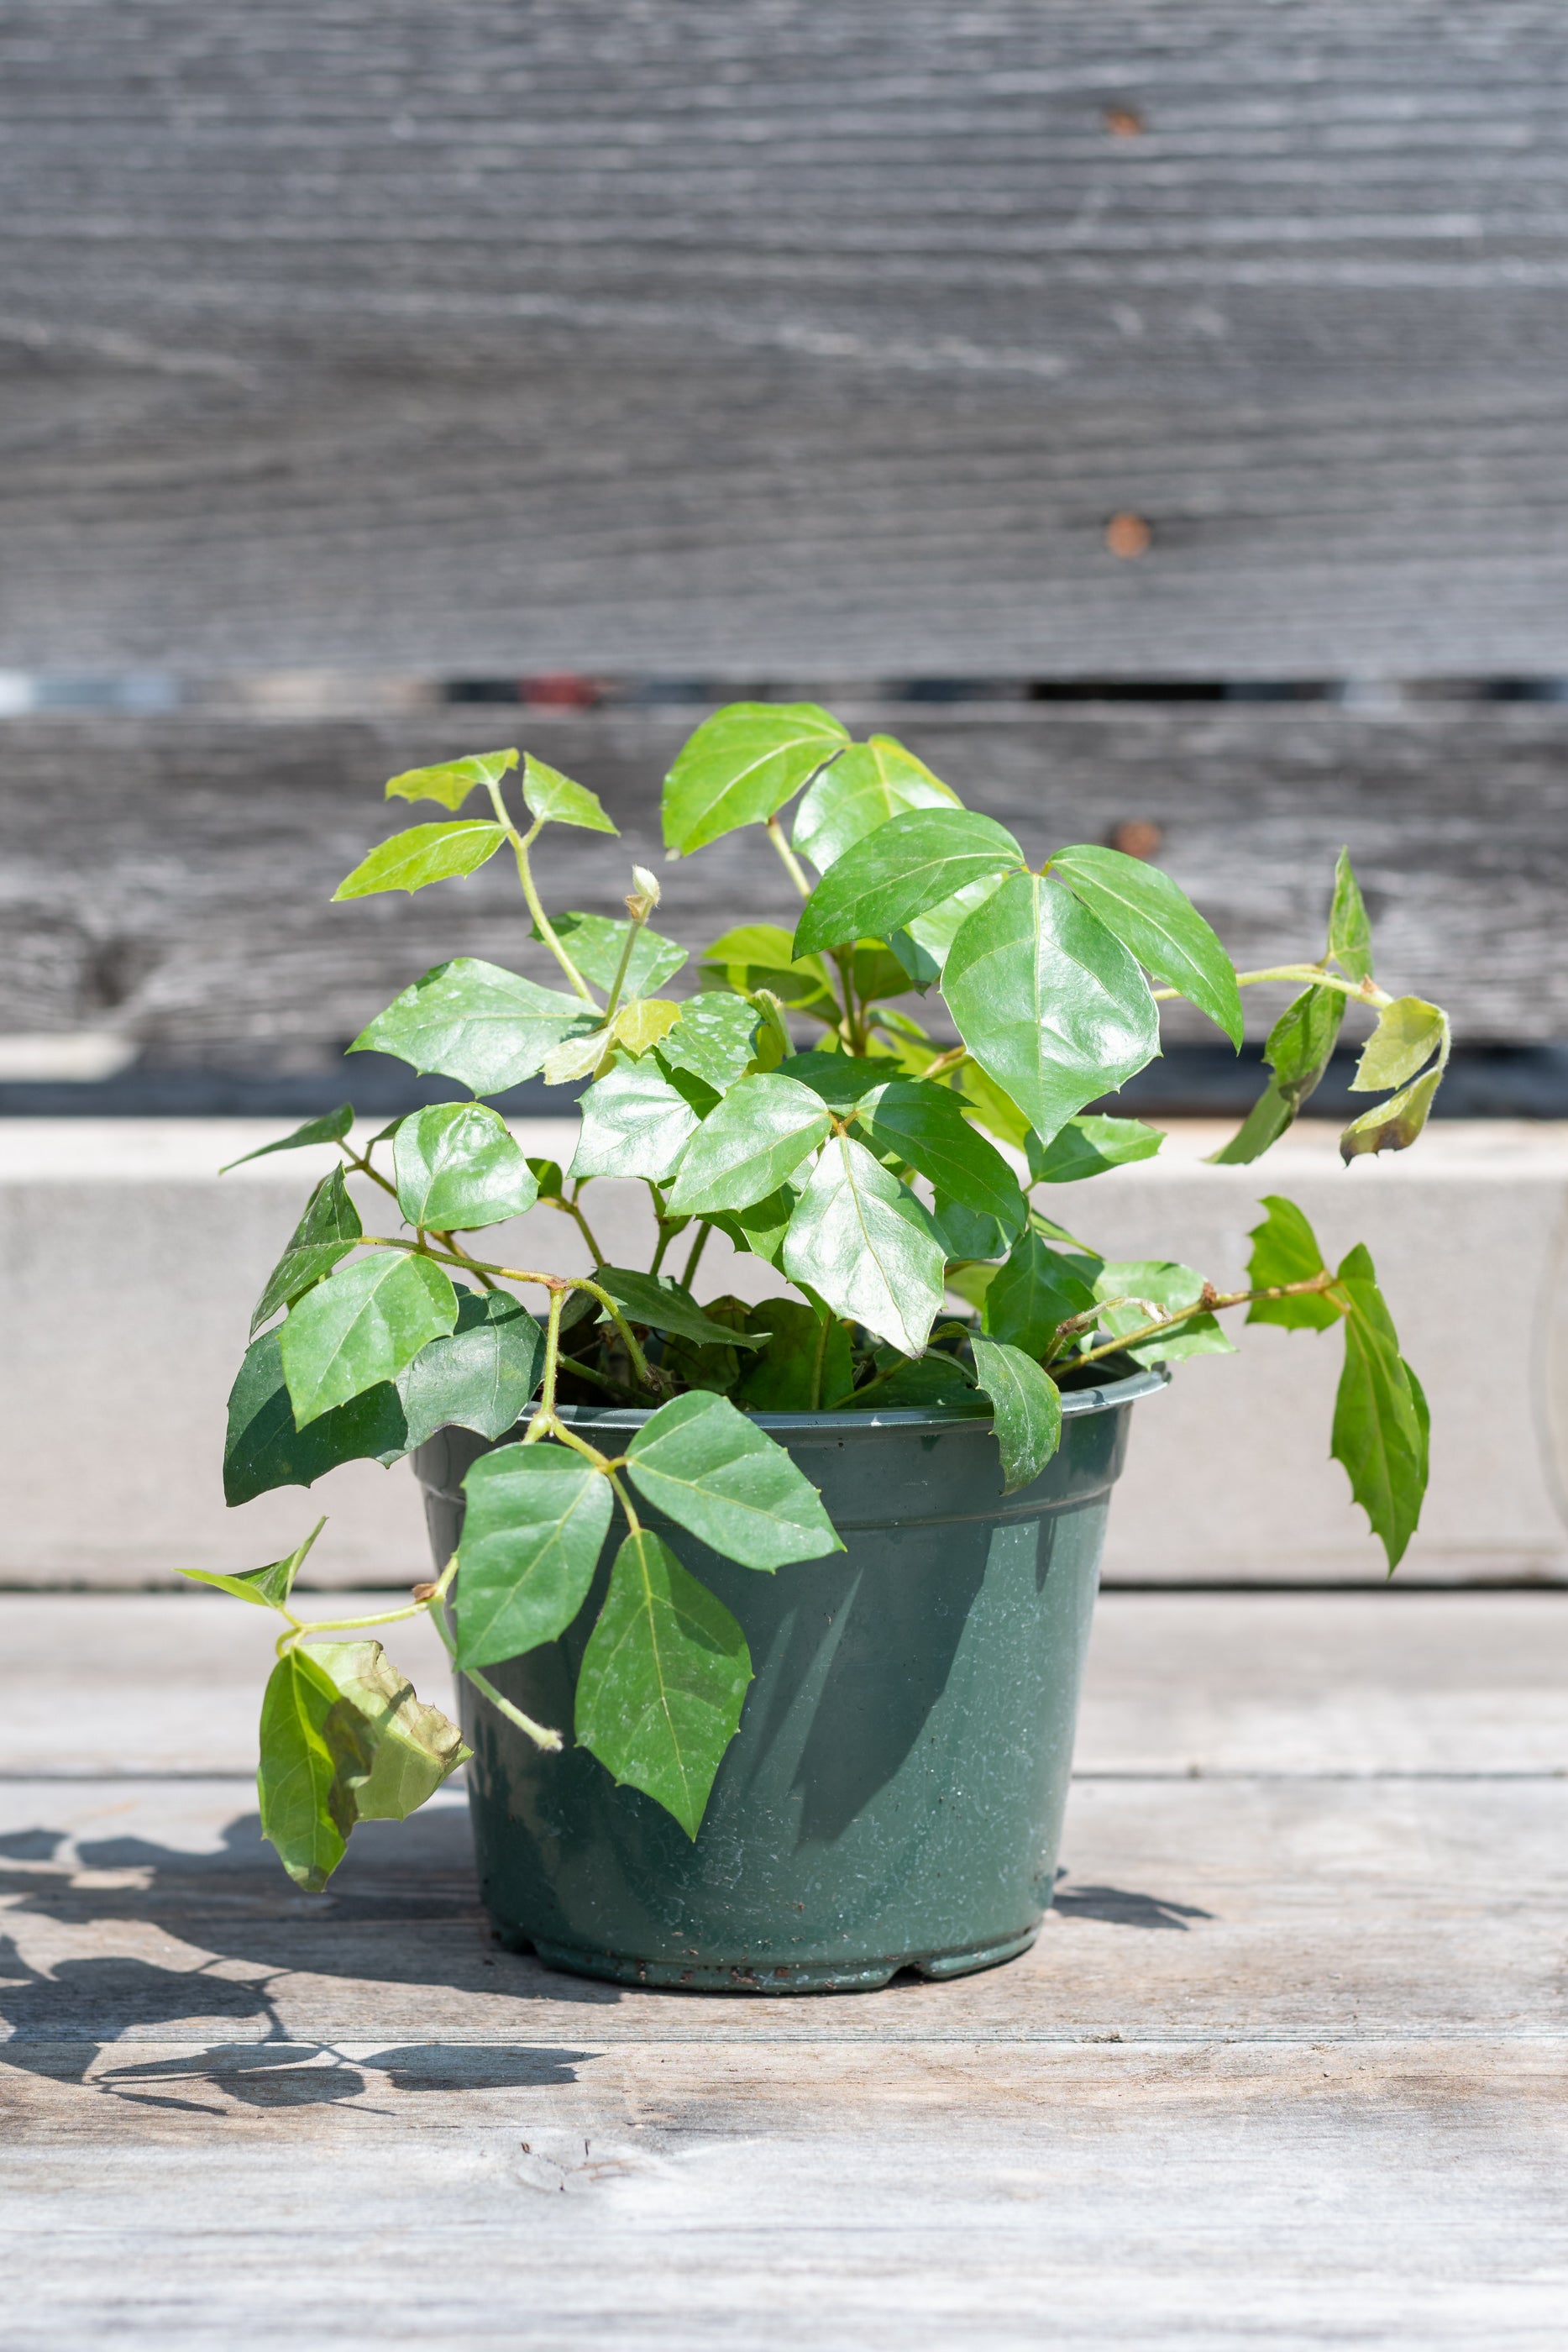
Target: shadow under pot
column 894, row 1794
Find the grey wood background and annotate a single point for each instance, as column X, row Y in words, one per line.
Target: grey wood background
column 480, row 336
column 171, row 877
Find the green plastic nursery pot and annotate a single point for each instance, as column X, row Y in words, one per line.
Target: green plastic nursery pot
column 894, row 1797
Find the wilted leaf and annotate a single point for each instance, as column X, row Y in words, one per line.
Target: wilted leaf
column 268, row 1586
column 642, row 1022
column 534, row 1522
column 394, row 1751
column 866, row 1246
column 481, row 1376
column 425, row 853
column 742, row 765
column 361, row 1326
column 1393, row 1125
column 1408, row 1033
column 331, row 1128
column 452, row 781
column 911, row 863
column 718, row 1475
column 459, row 1169
column 1088, row 1146
column 662, row 1681
column 476, row 1022
column 559, row 801
column 1028, row 1408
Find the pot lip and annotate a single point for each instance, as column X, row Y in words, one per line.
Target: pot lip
column 1111, row 1397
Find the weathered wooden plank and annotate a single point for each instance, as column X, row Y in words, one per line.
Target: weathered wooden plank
column 1346, row 1685
column 476, row 338
column 170, row 877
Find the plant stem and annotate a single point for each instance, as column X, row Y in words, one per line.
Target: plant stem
column 1204, row 1305
column 1310, row 975
column 950, row 1060
column 541, row 1735
column 583, row 1226
column 542, row 924
column 545, row 1416
column 819, row 1363
column 703, row 1229
column 619, row 983
column 792, row 865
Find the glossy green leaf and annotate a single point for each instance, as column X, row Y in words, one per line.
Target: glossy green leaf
column 596, row 943
column 806, row 1365
column 1380, row 1421
column 724, row 1480
column 534, row 1522
column 761, row 956
column 1051, row 1006
column 644, row 1023
column 1036, row 1290
column 474, row 1021
column 964, row 1235
column 458, row 1169
column 425, row 853
column 742, row 765
column 760, row 1132
column 866, row 1247
column 1088, row 1146
column 452, row 781
column 932, row 1383
column 921, row 945
column 926, row 1126
column 1285, row 1249
column 662, row 1681
column 263, row 1449
column 361, row 1326
column 1297, row 1050
column 393, row 1750
column 993, row 1107
column 907, row 865
column 481, row 1376
column 1148, row 1288
column 635, row 1122
column 1028, row 1407
column 1393, row 1125
column 840, row 1080
column 549, row 1175
column 1157, row 923
column 269, row 1587
column 321, row 1240
column 306, row 1808
column 558, row 800
column 761, row 1226
column 1408, row 1033
column 865, row 787
column 715, row 1038
column 331, row 1128
column 1350, row 933
column 659, row 1301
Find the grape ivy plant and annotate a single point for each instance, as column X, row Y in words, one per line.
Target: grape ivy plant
column 901, row 1187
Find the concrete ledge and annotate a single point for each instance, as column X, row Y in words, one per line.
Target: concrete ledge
column 128, row 1269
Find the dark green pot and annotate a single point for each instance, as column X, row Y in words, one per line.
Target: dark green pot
column 894, row 1797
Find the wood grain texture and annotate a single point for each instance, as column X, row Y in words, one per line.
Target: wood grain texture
column 486, row 338
column 171, row 876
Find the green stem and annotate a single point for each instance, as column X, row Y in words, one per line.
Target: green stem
column 1204, row 1305
column 541, row 1735
column 792, row 865
column 542, row 1419
column 619, row 983
column 703, row 1229
column 542, row 924
column 1310, row 975
column 583, row 1227
column 819, row 1364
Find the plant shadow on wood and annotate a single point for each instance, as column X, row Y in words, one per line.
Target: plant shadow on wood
column 1120, row 1907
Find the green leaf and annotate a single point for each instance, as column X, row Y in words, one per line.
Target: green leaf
column 1297, row 1050
column 662, row 1681
column 759, row 956
column 394, row 1751
column 1158, row 923
column 724, row 1480
column 474, row 1021
column 659, row 1301
column 929, row 1383
column 645, row 1022
column 549, row 1175
column 715, row 1038
column 361, row 1326
column 865, row 787
column 1350, row 933
column 425, row 853
column 1089, row 1145
column 742, row 765
column 710, row 1365
column 965, row 1236
column 556, row 799
column 268, row 1586
column 907, row 865
column 307, row 1809
column 1162, row 1286
column 785, row 1377
column 1408, row 1033
column 324, row 1235
column 1393, row 1125
column 263, row 1449
column 1380, row 1421
column 921, row 945
column 481, row 1376
column 534, row 1521
column 458, row 1169
column 1036, row 1290
column 635, row 1122
column 331, row 1128
column 760, row 1132
column 453, row 781
column 1051, row 1005
column 596, row 944
column 1028, row 1407
column 1285, row 1249
column 761, row 1226
column 995, row 1111
column 866, row 1247
column 840, row 1080
column 924, row 1126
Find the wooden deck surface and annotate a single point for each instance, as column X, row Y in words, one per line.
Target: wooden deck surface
column 1286, row 2067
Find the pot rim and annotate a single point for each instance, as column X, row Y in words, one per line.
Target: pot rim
column 1110, row 1396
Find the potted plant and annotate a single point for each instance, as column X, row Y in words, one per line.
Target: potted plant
column 768, row 1618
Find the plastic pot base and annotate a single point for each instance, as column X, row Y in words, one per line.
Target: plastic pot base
column 794, row 1977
